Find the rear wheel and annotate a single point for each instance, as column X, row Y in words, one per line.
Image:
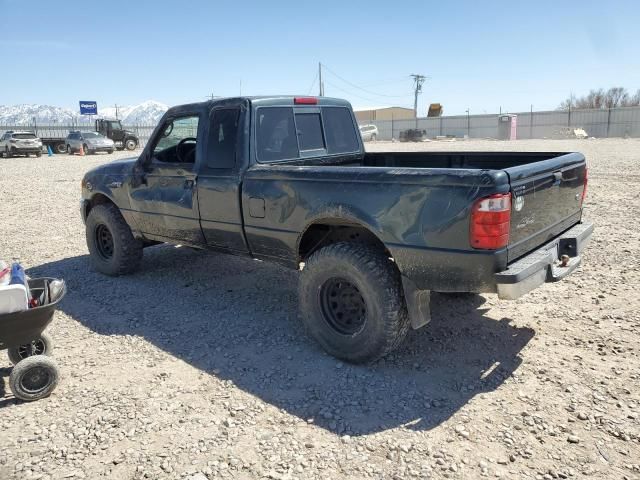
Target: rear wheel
column 351, row 302
column 43, row 345
column 34, row 378
column 130, row 144
column 7, row 152
column 112, row 247
column 60, row 148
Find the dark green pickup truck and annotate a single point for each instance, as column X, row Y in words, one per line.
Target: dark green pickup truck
column 287, row 180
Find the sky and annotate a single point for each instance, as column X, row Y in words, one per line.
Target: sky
column 481, row 56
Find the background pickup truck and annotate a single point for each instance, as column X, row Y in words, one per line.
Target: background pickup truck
column 286, row 179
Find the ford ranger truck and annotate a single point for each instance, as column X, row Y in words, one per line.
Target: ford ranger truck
column 286, row 180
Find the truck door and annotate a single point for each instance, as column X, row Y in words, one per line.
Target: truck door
column 219, row 181
column 164, row 199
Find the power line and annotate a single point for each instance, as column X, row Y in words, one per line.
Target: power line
column 373, row 101
column 359, row 87
column 312, row 84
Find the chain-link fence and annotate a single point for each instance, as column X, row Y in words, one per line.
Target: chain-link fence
column 614, row 122
column 55, row 131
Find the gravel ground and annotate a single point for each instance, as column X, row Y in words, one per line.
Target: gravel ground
column 197, row 367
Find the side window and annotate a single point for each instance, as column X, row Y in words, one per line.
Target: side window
column 339, row 130
column 276, row 134
column 177, row 140
column 309, row 132
column 223, row 138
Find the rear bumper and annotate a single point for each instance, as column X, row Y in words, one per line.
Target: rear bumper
column 24, row 150
column 550, row 263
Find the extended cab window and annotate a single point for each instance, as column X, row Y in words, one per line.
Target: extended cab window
column 339, row 130
column 177, row 142
column 276, row 134
column 223, row 138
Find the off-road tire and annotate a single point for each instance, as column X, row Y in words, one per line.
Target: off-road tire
column 34, row 378
column 127, row 250
column 43, row 345
column 378, row 282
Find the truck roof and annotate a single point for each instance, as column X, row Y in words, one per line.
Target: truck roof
column 262, row 100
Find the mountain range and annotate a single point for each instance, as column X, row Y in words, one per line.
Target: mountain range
column 145, row 113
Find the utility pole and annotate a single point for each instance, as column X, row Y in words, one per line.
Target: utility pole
column 211, row 96
column 419, row 80
column 116, row 106
column 320, row 79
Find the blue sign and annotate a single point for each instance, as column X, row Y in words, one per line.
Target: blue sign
column 88, row 108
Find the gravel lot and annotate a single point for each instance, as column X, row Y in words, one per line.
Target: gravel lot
column 197, row 367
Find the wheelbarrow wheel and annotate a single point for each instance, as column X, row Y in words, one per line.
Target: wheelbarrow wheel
column 43, row 345
column 34, row 378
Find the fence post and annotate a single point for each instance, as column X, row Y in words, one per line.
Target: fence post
column 392, row 137
column 440, row 124
column 531, row 123
column 608, row 122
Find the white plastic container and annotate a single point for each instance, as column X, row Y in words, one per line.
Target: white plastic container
column 13, row 298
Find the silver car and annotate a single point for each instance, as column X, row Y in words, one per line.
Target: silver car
column 90, row 142
column 20, row 143
column 369, row 133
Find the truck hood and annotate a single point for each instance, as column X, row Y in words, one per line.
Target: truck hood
column 117, row 167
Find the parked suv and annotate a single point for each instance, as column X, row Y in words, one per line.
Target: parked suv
column 20, row 143
column 91, row 142
column 368, row 133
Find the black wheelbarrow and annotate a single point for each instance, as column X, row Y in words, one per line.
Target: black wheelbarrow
column 35, row 374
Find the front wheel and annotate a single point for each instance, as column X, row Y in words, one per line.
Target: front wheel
column 351, row 302
column 43, row 345
column 113, row 250
column 7, row 152
column 110, row 151
column 34, row 378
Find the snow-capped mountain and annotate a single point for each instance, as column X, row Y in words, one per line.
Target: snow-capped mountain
column 145, row 113
column 24, row 114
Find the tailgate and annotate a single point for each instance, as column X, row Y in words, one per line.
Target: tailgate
column 546, row 200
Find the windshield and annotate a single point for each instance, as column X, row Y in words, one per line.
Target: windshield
column 91, row 135
column 24, row 135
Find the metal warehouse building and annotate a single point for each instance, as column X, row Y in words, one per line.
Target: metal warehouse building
column 384, row 113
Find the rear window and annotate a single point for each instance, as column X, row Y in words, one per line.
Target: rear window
column 309, row 131
column 281, row 137
column 276, row 134
column 24, row 136
column 339, row 130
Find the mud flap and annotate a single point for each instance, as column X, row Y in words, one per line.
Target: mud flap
column 418, row 303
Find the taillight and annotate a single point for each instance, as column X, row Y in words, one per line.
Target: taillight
column 490, row 221
column 586, row 181
column 305, row 101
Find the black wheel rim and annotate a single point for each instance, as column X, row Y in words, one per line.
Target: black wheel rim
column 36, row 347
column 35, row 380
column 104, row 242
column 343, row 307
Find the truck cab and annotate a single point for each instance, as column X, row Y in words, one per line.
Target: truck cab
column 121, row 138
